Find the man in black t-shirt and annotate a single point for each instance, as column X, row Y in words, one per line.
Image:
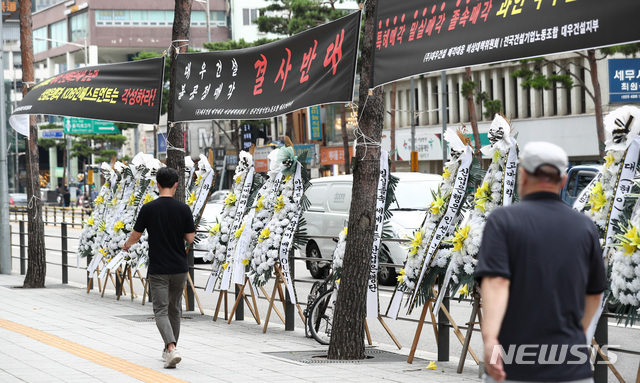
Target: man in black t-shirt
column 541, row 277
column 169, row 224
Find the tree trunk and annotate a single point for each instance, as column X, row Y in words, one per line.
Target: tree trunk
column 175, row 131
column 394, row 89
column 36, row 264
column 597, row 99
column 345, row 142
column 347, row 337
column 472, row 115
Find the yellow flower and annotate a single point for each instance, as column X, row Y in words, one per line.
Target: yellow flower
column 482, row 196
column 630, row 240
column 279, row 204
column 114, row 202
column 264, row 234
column 415, row 244
column 459, row 237
column 119, row 225
column 401, row 277
column 345, row 231
column 90, row 221
column 432, row 366
column 199, row 179
column 230, row 200
column 609, row 160
column 496, row 156
column 597, row 199
column 446, row 174
column 215, row 229
column 260, row 204
column 99, row 200
column 464, row 290
column 102, row 226
column 147, row 198
column 104, row 251
column 238, row 179
column 119, row 187
column 245, row 261
column 287, row 178
column 437, row 205
column 132, row 199
column 225, row 265
column 192, row 199
column 152, row 183
column 238, row 232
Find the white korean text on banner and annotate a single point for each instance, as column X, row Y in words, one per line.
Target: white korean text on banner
column 418, row 36
column 313, row 67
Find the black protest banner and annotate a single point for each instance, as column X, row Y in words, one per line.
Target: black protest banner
column 125, row 92
column 418, row 36
column 313, row 67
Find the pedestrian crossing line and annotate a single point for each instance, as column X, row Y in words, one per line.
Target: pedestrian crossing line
column 136, row 371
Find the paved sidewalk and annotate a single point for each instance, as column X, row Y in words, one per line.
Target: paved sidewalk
column 63, row 334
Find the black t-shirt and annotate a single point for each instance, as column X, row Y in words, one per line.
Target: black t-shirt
column 552, row 256
column 166, row 220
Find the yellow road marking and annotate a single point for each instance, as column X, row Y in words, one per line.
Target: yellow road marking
column 134, row 370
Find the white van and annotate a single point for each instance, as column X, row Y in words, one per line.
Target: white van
column 330, row 199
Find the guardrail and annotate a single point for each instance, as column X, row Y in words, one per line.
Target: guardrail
column 443, row 324
column 54, row 215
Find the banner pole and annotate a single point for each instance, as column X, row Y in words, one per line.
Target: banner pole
column 5, row 236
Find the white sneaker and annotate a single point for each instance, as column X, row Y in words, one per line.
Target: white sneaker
column 164, row 354
column 172, row 358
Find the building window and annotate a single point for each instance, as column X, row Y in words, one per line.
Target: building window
column 79, row 26
column 104, row 15
column 249, row 16
column 121, row 15
column 58, row 33
column 39, row 40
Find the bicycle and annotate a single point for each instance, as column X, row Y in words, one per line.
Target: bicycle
column 319, row 310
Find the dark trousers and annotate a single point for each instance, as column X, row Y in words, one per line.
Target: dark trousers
column 166, row 291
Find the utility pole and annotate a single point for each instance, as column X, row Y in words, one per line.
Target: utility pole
column 412, row 116
column 5, row 233
column 443, row 86
column 36, row 265
column 394, row 89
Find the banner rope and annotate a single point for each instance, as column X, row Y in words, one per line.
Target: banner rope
column 367, row 141
column 169, row 144
column 179, row 46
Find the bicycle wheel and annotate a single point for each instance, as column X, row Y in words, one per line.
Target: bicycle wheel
column 321, row 318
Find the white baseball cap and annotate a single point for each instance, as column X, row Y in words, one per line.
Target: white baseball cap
column 539, row 153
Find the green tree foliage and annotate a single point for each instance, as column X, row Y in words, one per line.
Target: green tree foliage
column 627, row 50
column 492, row 107
column 288, row 17
column 240, row 44
column 165, row 81
column 534, row 78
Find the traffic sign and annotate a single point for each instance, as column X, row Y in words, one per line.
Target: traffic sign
column 51, row 133
column 74, row 125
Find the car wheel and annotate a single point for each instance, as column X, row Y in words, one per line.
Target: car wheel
column 387, row 275
column 314, row 267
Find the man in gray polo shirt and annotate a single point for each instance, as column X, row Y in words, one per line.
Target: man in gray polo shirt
column 541, row 276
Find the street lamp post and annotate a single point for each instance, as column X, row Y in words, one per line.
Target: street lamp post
column 68, row 137
column 205, row 3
